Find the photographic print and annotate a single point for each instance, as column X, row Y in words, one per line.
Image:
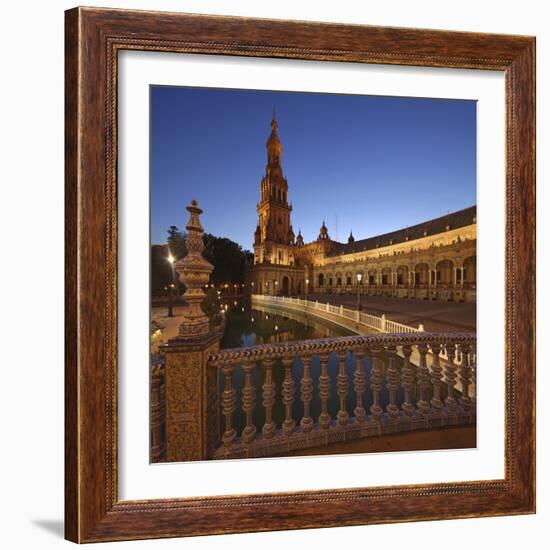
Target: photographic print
column 313, row 273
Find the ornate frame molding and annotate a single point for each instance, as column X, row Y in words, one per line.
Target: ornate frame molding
column 93, row 38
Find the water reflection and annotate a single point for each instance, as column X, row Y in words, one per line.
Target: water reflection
column 264, row 325
column 260, row 325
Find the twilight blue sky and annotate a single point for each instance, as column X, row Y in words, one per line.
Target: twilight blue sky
column 367, row 163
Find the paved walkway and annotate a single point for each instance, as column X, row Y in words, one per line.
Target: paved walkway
column 456, row 437
column 435, row 316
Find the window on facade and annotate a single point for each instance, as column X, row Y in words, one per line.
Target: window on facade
column 339, row 281
column 280, row 256
column 384, row 279
column 348, row 281
column 417, row 278
column 330, row 282
column 321, row 279
column 371, row 279
column 399, row 278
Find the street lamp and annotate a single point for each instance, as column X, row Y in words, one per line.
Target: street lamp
column 359, row 277
column 307, row 288
column 171, row 287
column 276, row 284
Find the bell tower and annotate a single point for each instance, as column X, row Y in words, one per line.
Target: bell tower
column 274, row 231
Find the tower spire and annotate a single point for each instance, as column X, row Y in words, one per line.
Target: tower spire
column 274, row 147
column 274, row 124
column 274, row 208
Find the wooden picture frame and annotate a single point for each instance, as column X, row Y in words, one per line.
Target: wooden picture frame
column 93, row 39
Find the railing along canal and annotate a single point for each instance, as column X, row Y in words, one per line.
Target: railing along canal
column 402, row 396
column 350, row 318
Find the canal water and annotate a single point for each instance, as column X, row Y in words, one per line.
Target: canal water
column 247, row 326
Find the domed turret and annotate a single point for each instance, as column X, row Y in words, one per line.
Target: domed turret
column 299, row 238
column 291, row 235
column 323, row 233
column 351, row 238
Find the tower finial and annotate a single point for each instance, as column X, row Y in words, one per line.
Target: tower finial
column 274, row 124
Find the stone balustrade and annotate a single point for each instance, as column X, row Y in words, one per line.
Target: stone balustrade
column 349, row 318
column 385, row 393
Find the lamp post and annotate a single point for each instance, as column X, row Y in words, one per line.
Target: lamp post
column 276, row 285
column 359, row 277
column 171, row 286
column 307, row 289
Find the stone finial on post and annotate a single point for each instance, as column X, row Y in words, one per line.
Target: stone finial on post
column 191, row 385
column 194, row 272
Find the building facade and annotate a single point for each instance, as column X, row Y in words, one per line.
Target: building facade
column 433, row 260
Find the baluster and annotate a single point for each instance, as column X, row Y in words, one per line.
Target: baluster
column 376, row 385
column 393, row 384
column 450, row 380
column 423, row 382
column 407, row 380
column 324, row 392
column 465, row 378
column 342, row 386
column 288, row 396
column 359, row 380
column 229, row 402
column 249, row 402
column 268, row 398
column 437, row 404
column 306, row 394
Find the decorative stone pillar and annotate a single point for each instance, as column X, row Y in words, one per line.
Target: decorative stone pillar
column 192, row 393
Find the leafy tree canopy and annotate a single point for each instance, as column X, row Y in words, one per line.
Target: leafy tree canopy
column 227, row 257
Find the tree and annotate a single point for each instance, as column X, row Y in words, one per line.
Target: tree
column 228, row 258
column 176, row 242
column 161, row 271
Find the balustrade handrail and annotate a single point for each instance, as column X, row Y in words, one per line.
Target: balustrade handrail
column 367, row 319
column 233, row 356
